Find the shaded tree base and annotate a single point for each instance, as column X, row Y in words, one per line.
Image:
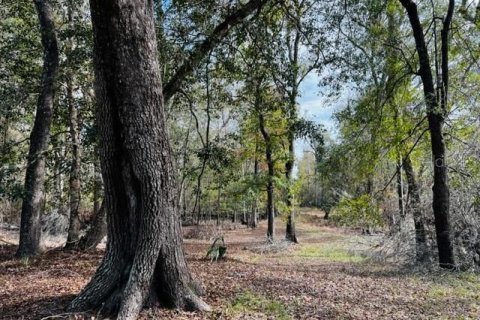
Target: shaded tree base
column 111, row 305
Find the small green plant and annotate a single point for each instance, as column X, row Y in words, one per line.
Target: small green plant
column 248, row 302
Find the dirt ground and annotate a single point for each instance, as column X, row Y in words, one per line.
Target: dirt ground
column 326, row 276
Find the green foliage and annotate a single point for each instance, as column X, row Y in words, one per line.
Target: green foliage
column 357, row 212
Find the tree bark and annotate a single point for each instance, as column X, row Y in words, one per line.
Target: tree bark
column 401, row 204
column 144, row 260
column 75, row 169
column 294, row 83
column 34, row 197
column 254, row 219
column 290, row 232
column 418, row 219
column 271, row 174
column 435, row 113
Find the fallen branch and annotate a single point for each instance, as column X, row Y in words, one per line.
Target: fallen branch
column 65, row 315
column 7, row 242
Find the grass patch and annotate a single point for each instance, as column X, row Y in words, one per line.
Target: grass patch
column 334, row 253
column 459, row 286
column 249, row 302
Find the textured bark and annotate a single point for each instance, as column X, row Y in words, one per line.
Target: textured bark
column 75, row 181
column 290, row 232
column 271, row 174
column 418, row 219
column 436, row 111
column 144, row 260
column 33, row 199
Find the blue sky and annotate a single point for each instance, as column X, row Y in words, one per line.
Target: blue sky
column 314, row 106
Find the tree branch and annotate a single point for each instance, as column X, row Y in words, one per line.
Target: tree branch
column 202, row 49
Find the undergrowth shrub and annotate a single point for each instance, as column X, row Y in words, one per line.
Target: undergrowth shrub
column 361, row 212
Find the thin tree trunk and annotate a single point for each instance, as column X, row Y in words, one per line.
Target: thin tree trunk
column 401, row 204
column 182, row 192
column 75, row 181
column 415, row 206
column 290, row 232
column 436, row 116
column 34, row 197
column 390, row 89
column 254, row 218
column 206, row 148
column 271, row 174
column 294, row 48
column 57, row 156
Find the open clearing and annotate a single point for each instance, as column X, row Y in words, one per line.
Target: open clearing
column 323, row 277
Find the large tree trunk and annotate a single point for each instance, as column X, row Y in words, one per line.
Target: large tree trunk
column 144, row 260
column 271, row 174
column 436, row 112
column 33, row 199
column 415, row 206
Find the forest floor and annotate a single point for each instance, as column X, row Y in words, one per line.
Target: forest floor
column 326, row 276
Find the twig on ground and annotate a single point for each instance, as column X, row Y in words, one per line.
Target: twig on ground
column 7, row 242
column 64, row 315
